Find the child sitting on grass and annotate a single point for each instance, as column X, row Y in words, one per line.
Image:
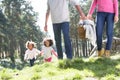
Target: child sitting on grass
column 47, row 50
column 31, row 52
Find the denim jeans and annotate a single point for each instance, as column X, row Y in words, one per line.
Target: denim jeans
column 102, row 18
column 58, row 29
column 32, row 61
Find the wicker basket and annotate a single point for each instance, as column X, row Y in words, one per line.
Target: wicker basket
column 81, row 32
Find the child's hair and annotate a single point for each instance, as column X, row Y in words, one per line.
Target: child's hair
column 30, row 42
column 50, row 42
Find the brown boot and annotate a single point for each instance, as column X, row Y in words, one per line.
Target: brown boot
column 101, row 52
column 107, row 53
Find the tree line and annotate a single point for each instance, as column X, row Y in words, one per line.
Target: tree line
column 17, row 25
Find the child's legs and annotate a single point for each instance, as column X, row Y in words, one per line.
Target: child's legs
column 109, row 30
column 32, row 61
column 99, row 28
column 67, row 41
column 57, row 35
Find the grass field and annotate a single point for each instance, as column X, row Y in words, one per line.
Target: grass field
column 76, row 69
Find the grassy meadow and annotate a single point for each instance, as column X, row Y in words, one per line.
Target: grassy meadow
column 76, row 69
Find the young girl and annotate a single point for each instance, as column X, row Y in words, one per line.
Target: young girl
column 47, row 50
column 107, row 13
column 31, row 52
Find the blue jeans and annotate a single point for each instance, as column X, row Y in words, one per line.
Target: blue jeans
column 64, row 28
column 102, row 18
column 32, row 61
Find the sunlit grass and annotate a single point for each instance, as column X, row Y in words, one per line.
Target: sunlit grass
column 76, row 69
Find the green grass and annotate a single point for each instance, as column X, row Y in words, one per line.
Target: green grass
column 76, row 69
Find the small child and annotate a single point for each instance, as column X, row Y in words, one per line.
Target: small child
column 31, row 52
column 47, row 50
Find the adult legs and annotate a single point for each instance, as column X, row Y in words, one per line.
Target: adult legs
column 57, row 35
column 109, row 30
column 67, row 41
column 99, row 28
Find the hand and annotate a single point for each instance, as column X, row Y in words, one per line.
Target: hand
column 116, row 19
column 89, row 16
column 45, row 28
column 83, row 17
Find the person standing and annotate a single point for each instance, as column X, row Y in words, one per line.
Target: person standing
column 60, row 20
column 107, row 12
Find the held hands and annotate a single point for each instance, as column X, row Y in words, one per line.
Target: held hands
column 41, row 53
column 86, row 17
column 83, row 17
column 89, row 17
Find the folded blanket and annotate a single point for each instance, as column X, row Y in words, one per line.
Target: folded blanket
column 89, row 26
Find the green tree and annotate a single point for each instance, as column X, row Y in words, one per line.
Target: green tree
column 19, row 26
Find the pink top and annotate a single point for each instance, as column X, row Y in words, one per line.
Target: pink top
column 110, row 6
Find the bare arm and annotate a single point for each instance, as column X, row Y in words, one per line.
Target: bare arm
column 91, row 10
column 47, row 16
column 77, row 6
column 46, row 19
column 80, row 11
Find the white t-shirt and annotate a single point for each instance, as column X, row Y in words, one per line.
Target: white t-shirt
column 30, row 54
column 47, row 52
column 59, row 10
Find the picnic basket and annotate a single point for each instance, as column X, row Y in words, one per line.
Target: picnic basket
column 81, row 32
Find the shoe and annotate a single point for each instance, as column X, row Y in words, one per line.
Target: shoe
column 107, row 53
column 101, row 52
